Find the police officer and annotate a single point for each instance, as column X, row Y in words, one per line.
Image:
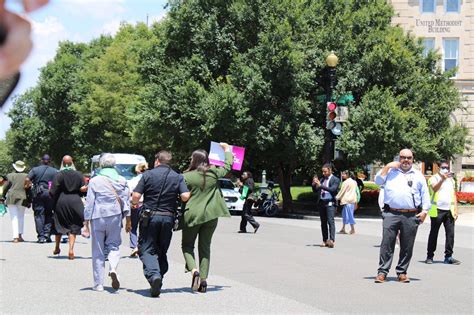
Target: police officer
column 160, row 187
column 406, row 204
column 42, row 178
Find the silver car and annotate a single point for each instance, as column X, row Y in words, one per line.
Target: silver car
column 231, row 195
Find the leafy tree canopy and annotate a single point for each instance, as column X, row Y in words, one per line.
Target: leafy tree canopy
column 248, row 72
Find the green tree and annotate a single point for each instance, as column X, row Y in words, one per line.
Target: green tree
column 248, row 72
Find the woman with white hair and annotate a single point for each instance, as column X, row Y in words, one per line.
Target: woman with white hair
column 15, row 201
column 106, row 203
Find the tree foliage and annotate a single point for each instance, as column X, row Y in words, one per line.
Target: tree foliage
column 247, row 72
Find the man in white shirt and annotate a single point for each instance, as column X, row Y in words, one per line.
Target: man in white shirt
column 444, row 211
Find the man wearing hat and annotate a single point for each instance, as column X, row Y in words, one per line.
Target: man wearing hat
column 16, row 196
column 42, row 177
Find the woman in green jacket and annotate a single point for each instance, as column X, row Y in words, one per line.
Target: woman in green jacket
column 202, row 210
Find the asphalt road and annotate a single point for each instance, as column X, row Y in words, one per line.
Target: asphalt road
column 281, row 269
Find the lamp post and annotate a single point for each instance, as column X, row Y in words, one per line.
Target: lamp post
column 330, row 82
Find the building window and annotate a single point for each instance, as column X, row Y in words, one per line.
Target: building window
column 452, row 6
column 428, row 44
column 450, row 53
column 428, row 6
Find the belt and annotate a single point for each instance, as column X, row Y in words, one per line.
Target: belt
column 326, row 200
column 404, row 210
column 161, row 213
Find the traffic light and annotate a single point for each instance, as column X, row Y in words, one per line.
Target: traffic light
column 331, row 119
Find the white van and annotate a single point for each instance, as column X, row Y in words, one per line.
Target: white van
column 124, row 164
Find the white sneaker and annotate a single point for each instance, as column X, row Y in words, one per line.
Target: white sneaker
column 115, row 280
column 98, row 288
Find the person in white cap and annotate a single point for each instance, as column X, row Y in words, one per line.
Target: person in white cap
column 16, row 199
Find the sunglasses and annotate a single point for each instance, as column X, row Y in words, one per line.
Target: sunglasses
column 444, row 167
column 406, row 157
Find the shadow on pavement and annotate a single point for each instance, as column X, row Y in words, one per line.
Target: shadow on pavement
column 434, row 262
column 65, row 257
column 391, row 279
column 146, row 292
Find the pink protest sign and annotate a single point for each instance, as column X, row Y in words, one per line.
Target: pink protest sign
column 216, row 156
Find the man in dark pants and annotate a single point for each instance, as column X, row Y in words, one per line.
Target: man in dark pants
column 406, row 204
column 326, row 192
column 160, row 187
column 444, row 210
column 42, row 177
column 247, row 189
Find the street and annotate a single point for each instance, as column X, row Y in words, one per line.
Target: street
column 281, row 269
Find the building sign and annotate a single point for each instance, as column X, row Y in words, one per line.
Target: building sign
column 438, row 25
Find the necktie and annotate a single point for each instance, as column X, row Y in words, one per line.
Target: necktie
column 323, row 192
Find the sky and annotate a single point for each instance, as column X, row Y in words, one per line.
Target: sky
column 77, row 21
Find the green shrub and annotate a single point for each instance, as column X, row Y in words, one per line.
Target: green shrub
column 371, row 186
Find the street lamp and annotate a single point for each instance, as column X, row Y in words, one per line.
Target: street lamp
column 330, row 82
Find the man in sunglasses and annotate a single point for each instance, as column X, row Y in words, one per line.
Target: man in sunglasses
column 444, row 211
column 406, row 204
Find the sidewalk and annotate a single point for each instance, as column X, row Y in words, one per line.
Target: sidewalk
column 466, row 216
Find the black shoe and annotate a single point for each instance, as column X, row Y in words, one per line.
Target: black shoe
column 240, row 231
column 451, row 261
column 256, row 229
column 429, row 261
column 41, row 240
column 195, row 281
column 49, row 240
column 156, row 284
column 203, row 287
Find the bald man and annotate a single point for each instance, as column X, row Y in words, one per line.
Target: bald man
column 406, row 204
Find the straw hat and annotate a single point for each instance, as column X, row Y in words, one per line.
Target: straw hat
column 19, row 166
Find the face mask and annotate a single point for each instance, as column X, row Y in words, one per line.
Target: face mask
column 444, row 171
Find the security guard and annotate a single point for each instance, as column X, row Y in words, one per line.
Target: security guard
column 406, row 204
column 444, row 210
column 160, row 187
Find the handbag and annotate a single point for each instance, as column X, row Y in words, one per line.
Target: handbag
column 3, row 209
column 29, row 198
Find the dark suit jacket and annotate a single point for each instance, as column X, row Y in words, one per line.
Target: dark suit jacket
column 332, row 188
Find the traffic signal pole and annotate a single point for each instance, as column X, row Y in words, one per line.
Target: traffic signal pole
column 330, row 80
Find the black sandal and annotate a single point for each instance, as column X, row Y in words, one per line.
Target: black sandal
column 203, row 287
column 195, row 282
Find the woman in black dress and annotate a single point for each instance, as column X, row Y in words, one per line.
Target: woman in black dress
column 67, row 188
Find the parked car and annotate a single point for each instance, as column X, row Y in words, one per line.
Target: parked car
column 231, row 195
column 124, row 164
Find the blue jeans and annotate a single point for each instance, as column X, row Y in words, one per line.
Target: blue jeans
column 153, row 243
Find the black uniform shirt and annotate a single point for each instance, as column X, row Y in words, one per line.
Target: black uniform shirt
column 150, row 187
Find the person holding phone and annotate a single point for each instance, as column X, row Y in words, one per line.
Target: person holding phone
column 444, row 210
column 326, row 191
column 406, row 203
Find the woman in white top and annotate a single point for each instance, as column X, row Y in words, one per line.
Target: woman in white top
column 348, row 198
column 140, row 168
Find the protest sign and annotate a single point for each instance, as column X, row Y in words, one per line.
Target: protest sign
column 216, row 155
